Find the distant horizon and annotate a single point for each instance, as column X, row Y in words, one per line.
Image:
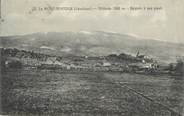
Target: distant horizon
column 83, row 31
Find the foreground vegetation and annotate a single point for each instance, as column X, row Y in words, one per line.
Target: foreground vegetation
column 45, row 92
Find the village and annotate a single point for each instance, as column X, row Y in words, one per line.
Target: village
column 14, row 58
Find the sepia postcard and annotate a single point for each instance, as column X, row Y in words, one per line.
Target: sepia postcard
column 91, row 58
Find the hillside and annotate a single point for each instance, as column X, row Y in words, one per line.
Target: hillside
column 93, row 44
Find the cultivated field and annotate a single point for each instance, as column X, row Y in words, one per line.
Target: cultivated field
column 43, row 92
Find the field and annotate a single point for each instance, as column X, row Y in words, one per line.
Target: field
column 44, row 92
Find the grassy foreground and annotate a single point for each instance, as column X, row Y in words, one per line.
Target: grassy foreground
column 43, row 92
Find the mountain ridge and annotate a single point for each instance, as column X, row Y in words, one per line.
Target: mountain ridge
column 94, row 43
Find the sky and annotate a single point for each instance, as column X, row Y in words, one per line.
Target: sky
column 165, row 24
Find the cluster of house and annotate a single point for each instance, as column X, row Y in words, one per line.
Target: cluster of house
column 122, row 62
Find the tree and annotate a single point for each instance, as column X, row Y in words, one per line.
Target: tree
column 180, row 67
